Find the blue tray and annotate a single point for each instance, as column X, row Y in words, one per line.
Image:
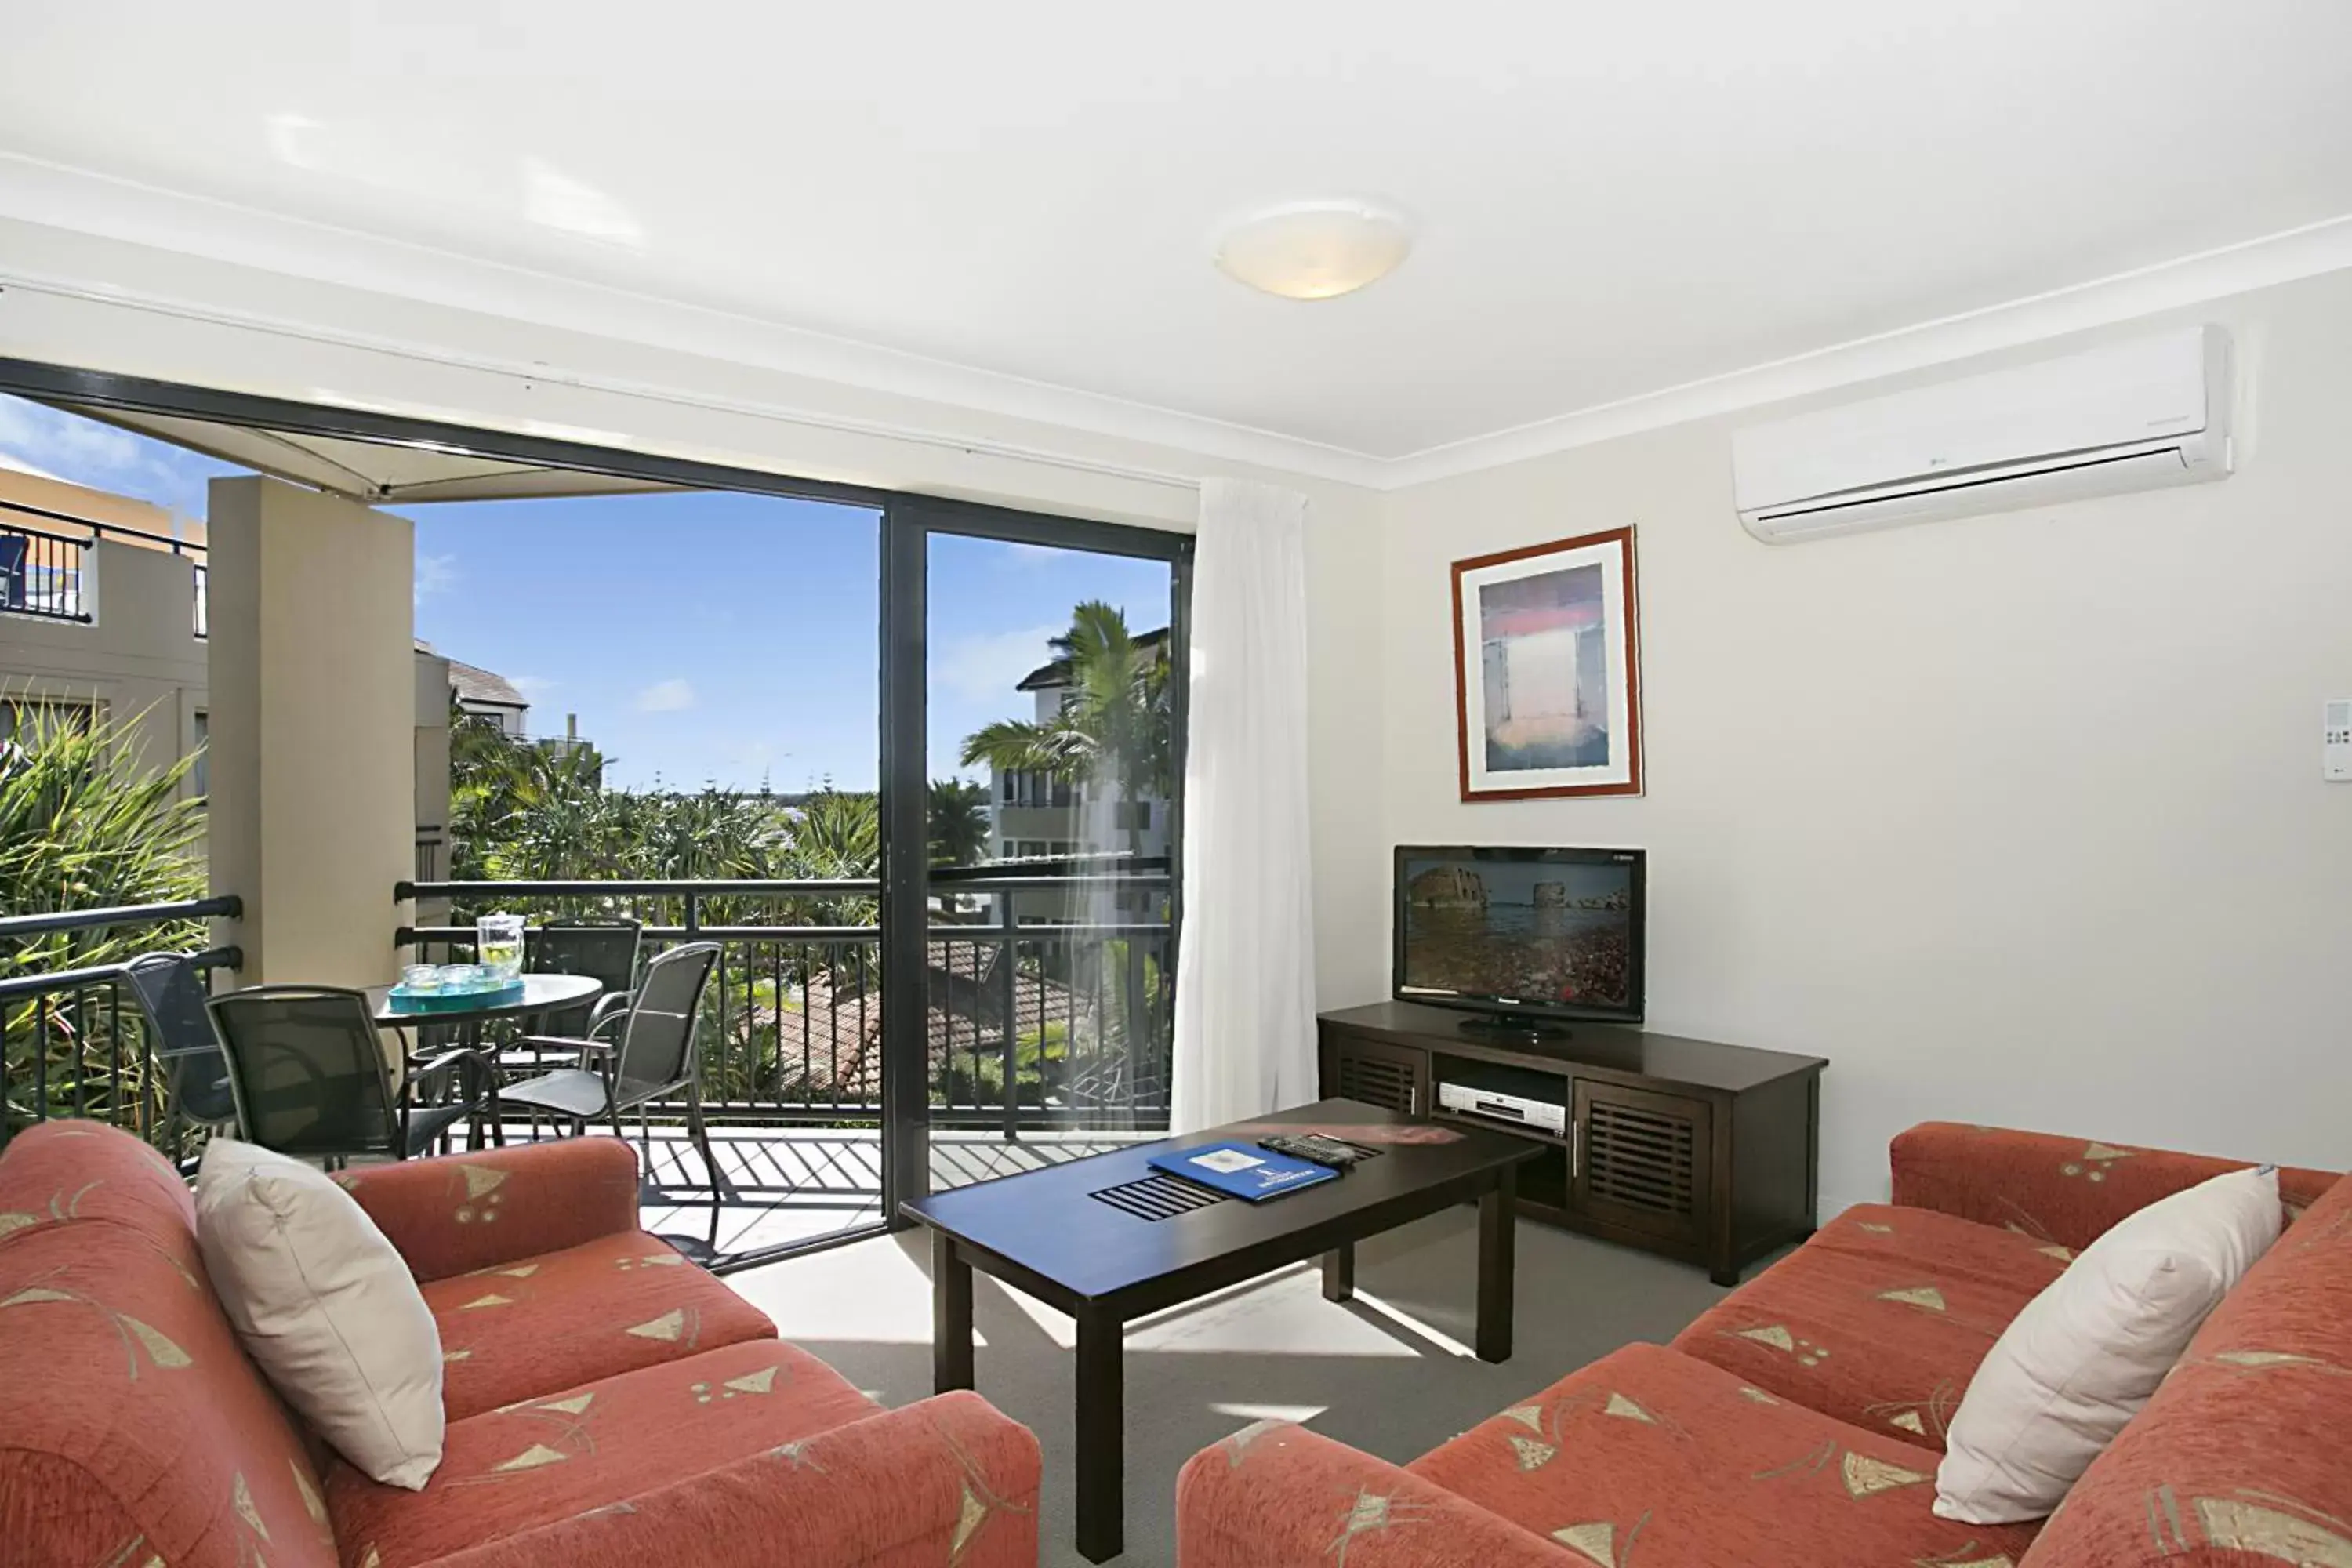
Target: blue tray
column 450, row 999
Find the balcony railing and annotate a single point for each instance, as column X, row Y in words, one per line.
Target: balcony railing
column 72, row 1041
column 40, row 574
column 432, row 854
column 43, row 572
column 1030, row 1022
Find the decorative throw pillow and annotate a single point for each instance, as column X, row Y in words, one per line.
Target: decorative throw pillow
column 2088, row 1352
column 325, row 1307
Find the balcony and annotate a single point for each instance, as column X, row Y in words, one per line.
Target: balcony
column 41, row 574
column 46, row 560
column 1043, row 1041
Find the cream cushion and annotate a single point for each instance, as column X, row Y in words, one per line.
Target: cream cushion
column 325, row 1307
column 2087, row 1352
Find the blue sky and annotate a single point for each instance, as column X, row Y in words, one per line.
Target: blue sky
column 703, row 638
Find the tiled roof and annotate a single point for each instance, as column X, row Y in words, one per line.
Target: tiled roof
column 830, row 1046
column 475, row 684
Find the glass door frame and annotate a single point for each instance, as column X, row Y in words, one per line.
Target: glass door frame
column 909, row 525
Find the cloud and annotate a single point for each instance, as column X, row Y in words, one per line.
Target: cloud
column 435, row 574
column 533, row 686
column 71, row 443
column 665, row 697
column 987, row 668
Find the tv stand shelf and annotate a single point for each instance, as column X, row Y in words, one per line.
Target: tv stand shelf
column 1699, row 1150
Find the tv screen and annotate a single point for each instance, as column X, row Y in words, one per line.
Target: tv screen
column 1553, row 932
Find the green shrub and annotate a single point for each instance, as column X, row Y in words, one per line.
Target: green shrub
column 85, row 824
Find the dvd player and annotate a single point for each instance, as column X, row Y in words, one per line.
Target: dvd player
column 1495, row 1105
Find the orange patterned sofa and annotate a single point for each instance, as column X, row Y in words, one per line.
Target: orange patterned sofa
column 609, row 1405
column 1799, row 1424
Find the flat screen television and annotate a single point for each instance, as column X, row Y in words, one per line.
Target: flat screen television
column 1522, row 938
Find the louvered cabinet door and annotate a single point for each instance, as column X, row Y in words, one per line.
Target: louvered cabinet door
column 1393, row 1077
column 1640, row 1161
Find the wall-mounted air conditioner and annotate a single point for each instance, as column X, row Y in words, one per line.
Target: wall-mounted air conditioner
column 2130, row 415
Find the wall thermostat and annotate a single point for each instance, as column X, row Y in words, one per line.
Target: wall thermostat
column 2336, row 740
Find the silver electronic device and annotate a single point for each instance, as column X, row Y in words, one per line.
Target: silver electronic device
column 1492, row 1105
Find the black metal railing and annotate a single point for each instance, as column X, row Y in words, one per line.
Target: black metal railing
column 72, row 1040
column 1032, row 1021
column 432, row 854
column 40, row 574
column 43, row 573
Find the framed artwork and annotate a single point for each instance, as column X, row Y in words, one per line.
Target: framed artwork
column 1546, row 670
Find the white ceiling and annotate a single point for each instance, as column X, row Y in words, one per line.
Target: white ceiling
column 1611, row 199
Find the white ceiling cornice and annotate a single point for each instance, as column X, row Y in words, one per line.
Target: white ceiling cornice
column 79, row 202
column 2304, row 252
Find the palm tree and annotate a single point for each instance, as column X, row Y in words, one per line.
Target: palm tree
column 528, row 809
column 957, row 813
column 1114, row 724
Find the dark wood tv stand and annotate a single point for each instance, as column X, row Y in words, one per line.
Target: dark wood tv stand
column 1696, row 1149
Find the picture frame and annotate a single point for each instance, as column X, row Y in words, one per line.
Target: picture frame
column 1546, row 670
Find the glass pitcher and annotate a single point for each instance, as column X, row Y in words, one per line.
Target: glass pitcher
column 497, row 945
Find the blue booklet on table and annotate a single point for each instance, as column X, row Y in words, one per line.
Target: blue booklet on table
column 1245, row 1170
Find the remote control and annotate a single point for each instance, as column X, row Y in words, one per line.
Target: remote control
column 1318, row 1149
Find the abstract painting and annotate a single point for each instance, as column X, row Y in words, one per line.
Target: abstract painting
column 1547, row 672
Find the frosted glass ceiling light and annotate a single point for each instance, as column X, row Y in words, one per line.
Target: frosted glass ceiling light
column 1315, row 250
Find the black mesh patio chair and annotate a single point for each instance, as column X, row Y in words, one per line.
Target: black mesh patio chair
column 604, row 950
column 654, row 1056
column 310, row 1077
column 172, row 997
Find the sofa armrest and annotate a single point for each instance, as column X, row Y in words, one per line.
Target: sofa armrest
column 947, row 1479
column 459, row 1212
column 2063, row 1189
column 1278, row 1496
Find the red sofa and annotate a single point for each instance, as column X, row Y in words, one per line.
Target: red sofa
column 1799, row 1423
column 609, row 1403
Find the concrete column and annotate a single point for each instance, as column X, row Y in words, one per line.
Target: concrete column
column 313, row 727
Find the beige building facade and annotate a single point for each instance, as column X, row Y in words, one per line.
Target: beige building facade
column 134, row 654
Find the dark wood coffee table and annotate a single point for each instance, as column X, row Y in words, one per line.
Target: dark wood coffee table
column 1107, row 1239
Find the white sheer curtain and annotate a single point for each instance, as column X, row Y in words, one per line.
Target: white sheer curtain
column 1245, row 977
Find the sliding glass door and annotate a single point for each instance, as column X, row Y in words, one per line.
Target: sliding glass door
column 1034, row 815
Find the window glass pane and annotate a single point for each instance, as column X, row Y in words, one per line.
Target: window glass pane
column 1050, row 679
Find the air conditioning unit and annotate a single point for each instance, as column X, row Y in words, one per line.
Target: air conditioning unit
column 2130, row 415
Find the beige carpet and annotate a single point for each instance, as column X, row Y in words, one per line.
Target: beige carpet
column 1388, row 1373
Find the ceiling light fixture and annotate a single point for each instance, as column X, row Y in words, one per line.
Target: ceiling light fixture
column 1315, row 250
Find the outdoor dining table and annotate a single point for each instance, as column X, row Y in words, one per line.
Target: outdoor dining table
column 540, row 994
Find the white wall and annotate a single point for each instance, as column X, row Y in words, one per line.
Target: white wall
column 2016, row 819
